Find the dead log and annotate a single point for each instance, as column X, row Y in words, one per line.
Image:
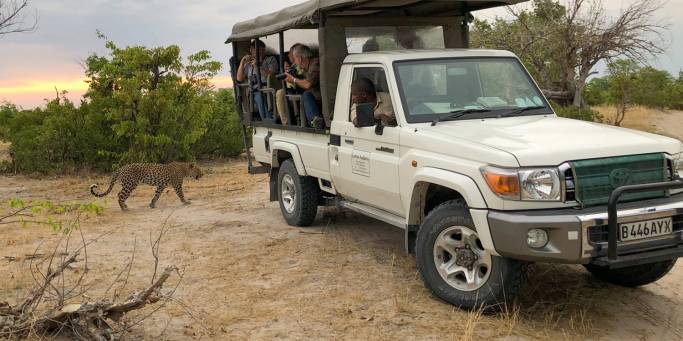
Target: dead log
column 87, row 321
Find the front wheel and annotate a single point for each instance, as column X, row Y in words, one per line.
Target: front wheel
column 632, row 276
column 298, row 195
column 454, row 265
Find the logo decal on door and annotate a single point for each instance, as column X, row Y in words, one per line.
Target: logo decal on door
column 360, row 163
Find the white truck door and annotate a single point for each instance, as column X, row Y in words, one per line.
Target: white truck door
column 364, row 166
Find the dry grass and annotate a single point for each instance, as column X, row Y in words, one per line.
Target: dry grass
column 250, row 276
column 639, row 118
column 471, row 324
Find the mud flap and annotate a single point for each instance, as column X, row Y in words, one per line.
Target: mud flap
column 273, row 184
column 410, row 237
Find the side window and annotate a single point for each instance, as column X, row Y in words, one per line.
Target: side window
column 369, row 88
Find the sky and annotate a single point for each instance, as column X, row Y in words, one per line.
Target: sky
column 33, row 64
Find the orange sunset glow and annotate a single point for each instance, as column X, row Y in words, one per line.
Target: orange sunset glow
column 34, row 92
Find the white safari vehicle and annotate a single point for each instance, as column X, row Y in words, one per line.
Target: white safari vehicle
column 477, row 169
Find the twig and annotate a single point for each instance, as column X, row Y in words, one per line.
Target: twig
column 156, row 244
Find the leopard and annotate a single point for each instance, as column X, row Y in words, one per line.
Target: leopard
column 153, row 174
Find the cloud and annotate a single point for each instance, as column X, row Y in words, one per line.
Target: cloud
column 66, row 32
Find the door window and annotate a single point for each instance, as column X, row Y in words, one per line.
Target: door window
column 370, row 91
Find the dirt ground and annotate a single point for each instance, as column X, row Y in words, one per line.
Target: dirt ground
column 248, row 275
column 665, row 122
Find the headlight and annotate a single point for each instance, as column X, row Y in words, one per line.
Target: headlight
column 537, row 184
column 540, row 184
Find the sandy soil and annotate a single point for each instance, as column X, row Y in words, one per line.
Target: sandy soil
column 665, row 122
column 248, row 275
column 670, row 123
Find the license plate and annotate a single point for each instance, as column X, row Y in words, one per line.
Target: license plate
column 645, row 229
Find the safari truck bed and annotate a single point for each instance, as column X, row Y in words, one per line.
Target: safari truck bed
column 479, row 172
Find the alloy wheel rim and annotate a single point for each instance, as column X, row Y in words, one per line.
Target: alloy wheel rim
column 288, row 193
column 461, row 259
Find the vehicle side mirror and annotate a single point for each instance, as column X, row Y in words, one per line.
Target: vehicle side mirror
column 365, row 115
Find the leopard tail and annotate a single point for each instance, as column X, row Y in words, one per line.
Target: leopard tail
column 93, row 187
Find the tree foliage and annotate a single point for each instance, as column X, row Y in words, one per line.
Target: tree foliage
column 156, row 106
column 629, row 83
column 142, row 105
column 561, row 42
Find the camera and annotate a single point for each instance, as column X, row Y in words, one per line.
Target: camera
column 291, row 70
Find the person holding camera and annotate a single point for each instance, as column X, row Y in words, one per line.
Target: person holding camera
column 363, row 91
column 291, row 67
column 310, row 84
column 247, row 71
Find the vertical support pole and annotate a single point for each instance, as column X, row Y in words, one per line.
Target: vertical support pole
column 238, row 107
column 257, row 51
column 465, row 30
column 281, row 41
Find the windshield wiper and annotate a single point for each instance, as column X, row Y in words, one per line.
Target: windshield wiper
column 457, row 114
column 516, row 112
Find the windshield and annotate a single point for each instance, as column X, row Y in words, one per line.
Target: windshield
column 490, row 87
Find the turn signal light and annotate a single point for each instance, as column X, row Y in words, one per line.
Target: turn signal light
column 503, row 182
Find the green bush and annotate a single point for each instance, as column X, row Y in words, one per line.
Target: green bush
column 142, row 105
column 7, row 112
column 578, row 113
column 223, row 136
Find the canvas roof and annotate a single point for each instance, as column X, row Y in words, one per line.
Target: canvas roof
column 308, row 14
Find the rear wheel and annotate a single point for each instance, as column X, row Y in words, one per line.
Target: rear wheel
column 298, row 195
column 454, row 265
column 633, row 276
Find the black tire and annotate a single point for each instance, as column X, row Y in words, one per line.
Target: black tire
column 505, row 275
column 305, row 202
column 632, row 276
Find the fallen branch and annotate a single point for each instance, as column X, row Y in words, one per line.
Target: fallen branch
column 87, row 321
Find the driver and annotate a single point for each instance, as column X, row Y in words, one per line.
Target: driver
column 363, row 91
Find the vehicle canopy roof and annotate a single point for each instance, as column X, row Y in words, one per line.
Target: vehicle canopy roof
column 332, row 18
column 310, row 13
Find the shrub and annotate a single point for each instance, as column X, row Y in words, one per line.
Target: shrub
column 583, row 114
column 223, row 136
column 142, row 105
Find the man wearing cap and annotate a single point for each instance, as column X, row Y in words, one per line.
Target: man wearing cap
column 247, row 72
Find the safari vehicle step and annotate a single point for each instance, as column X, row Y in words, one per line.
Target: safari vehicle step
column 372, row 212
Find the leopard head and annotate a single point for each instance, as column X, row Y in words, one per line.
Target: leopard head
column 193, row 171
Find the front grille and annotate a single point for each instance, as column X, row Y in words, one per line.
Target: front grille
column 594, row 180
column 600, row 234
column 569, row 187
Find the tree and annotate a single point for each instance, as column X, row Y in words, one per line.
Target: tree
column 7, row 112
column 157, row 107
column 623, row 80
column 13, row 17
column 142, row 105
column 654, row 88
column 562, row 42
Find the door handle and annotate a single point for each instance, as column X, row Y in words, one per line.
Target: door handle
column 348, row 141
column 385, row 150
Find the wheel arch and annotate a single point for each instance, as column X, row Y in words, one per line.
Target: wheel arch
column 432, row 187
column 282, row 151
